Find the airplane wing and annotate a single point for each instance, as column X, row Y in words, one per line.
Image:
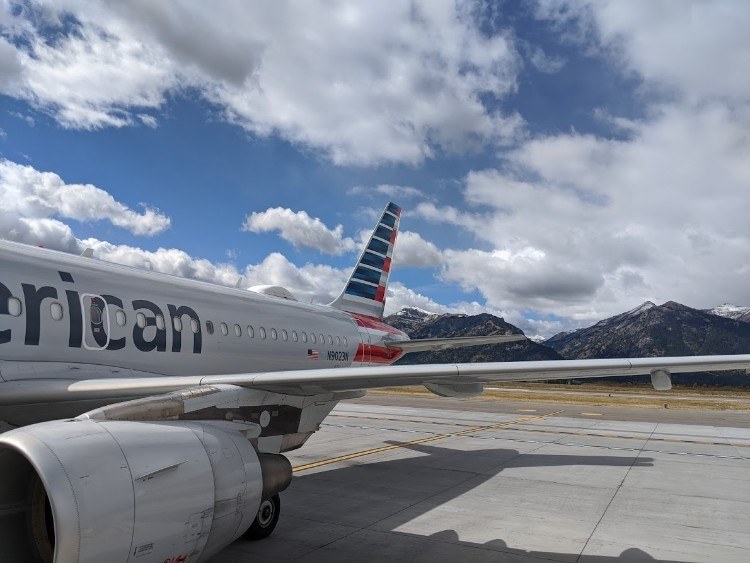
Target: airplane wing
column 432, row 344
column 451, row 379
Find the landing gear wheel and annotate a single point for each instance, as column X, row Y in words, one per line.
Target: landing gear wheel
column 266, row 519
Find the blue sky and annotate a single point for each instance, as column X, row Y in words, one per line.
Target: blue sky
column 557, row 162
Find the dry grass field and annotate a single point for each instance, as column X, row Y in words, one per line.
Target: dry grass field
column 606, row 394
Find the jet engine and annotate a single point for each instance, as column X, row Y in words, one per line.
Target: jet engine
column 84, row 490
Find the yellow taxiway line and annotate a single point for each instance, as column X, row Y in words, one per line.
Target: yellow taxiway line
column 419, row 441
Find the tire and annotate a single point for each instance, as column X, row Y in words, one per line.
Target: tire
column 266, row 519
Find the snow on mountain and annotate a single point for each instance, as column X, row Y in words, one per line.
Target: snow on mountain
column 730, row 311
column 415, row 312
column 640, row 309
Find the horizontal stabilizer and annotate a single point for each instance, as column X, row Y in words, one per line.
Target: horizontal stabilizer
column 432, row 344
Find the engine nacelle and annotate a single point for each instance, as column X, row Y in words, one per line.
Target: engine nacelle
column 129, row 491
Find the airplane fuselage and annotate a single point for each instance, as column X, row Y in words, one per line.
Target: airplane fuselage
column 70, row 318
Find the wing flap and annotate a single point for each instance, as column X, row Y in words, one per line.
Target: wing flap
column 432, row 344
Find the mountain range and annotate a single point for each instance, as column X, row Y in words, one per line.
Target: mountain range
column 731, row 312
column 671, row 329
column 422, row 324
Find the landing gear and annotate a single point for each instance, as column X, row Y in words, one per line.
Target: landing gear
column 266, row 519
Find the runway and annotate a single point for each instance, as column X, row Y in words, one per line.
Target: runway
column 420, row 479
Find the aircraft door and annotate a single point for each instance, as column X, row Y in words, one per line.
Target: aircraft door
column 95, row 322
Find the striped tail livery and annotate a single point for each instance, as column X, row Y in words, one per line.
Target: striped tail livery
column 365, row 291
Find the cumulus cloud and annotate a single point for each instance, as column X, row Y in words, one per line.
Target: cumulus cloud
column 33, row 205
column 91, row 78
column 10, row 66
column 399, row 296
column 312, row 283
column 697, row 49
column 359, row 93
column 412, row 250
column 30, row 194
column 585, row 227
column 316, row 283
column 49, row 233
column 166, row 260
column 299, row 229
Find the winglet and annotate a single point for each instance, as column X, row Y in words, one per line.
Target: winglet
column 365, row 291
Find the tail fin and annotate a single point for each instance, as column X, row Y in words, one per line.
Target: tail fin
column 365, row 291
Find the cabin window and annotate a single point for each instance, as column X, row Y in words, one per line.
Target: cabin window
column 96, row 314
column 262, row 332
column 322, row 339
column 274, row 334
column 177, row 322
column 250, row 331
column 56, row 310
column 209, row 327
column 160, row 322
column 338, row 341
column 303, row 334
column 237, row 330
column 294, row 336
column 140, row 318
column 346, row 343
column 14, row 307
column 313, row 338
column 195, row 326
column 224, row 328
column 284, row 334
column 330, row 340
column 120, row 317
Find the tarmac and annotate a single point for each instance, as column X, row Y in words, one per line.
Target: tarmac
column 394, row 478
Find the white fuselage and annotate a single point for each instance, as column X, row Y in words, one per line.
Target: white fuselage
column 65, row 317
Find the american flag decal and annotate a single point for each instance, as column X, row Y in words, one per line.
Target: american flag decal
column 312, row 354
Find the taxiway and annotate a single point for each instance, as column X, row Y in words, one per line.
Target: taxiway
column 419, row 479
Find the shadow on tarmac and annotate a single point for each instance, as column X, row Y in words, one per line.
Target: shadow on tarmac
column 353, row 513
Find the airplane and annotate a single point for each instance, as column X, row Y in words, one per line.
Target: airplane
column 150, row 413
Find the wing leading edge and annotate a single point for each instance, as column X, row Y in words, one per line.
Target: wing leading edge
column 311, row 382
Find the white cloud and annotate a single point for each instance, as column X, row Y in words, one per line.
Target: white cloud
column 165, row 260
column 148, row 120
column 543, row 62
column 299, row 229
column 412, row 250
column 94, row 77
column 31, row 194
column 318, row 74
column 316, row 283
column 698, row 49
column 450, row 215
column 49, row 233
column 10, row 66
column 399, row 296
column 586, row 227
